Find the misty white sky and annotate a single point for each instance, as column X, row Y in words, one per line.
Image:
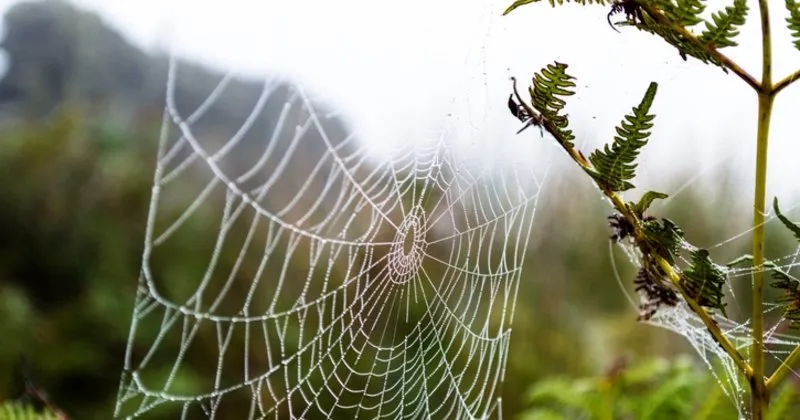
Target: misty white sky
column 398, row 69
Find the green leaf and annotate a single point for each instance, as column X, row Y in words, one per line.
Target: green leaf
column 553, row 3
column 688, row 12
column 791, row 289
column 644, row 203
column 663, row 238
column 793, row 21
column 703, row 281
column 552, row 82
column 615, row 164
column 518, row 3
column 683, row 44
column 549, row 86
column 724, row 28
column 786, row 222
column 684, row 12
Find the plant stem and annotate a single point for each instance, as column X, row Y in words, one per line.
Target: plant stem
column 783, row 369
column 785, row 82
column 759, row 391
column 760, row 394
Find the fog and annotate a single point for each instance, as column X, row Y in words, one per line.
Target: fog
column 402, row 71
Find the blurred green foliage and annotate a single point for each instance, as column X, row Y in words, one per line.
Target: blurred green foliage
column 652, row 389
column 19, row 411
column 72, row 208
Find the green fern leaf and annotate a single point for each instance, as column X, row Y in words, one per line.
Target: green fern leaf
column 644, row 203
column 703, row 281
column 794, row 21
column 662, row 238
column 684, row 12
column 685, row 47
column 724, row 28
column 615, row 165
column 791, row 298
column 553, row 3
column 552, row 82
column 782, row 280
column 688, row 12
column 547, row 92
column 786, row 222
column 518, row 3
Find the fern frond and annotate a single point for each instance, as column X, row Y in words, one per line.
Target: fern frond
column 791, row 298
column 793, row 21
column 724, row 28
column 615, row 165
column 786, row 222
column 790, row 285
column 553, row 3
column 683, row 12
column 547, row 92
column 686, row 48
column 687, row 12
column 552, row 82
column 662, row 238
column 703, row 281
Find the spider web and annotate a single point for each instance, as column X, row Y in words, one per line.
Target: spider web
column 340, row 284
column 336, row 285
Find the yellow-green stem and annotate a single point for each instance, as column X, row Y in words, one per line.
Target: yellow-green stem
column 760, row 396
column 758, row 387
column 785, row 82
column 783, row 369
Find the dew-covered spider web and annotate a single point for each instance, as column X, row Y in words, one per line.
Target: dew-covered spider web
column 340, row 283
column 336, row 284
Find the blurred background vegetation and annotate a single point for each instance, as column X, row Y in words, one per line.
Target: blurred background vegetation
column 80, row 110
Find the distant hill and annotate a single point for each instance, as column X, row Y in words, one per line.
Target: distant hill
column 60, row 55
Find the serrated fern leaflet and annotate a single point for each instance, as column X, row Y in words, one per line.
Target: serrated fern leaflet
column 687, row 12
column 725, row 25
column 549, row 86
column 662, row 238
column 793, row 21
column 786, row 222
column 703, row 281
column 790, row 285
column 615, row 165
column 791, row 298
